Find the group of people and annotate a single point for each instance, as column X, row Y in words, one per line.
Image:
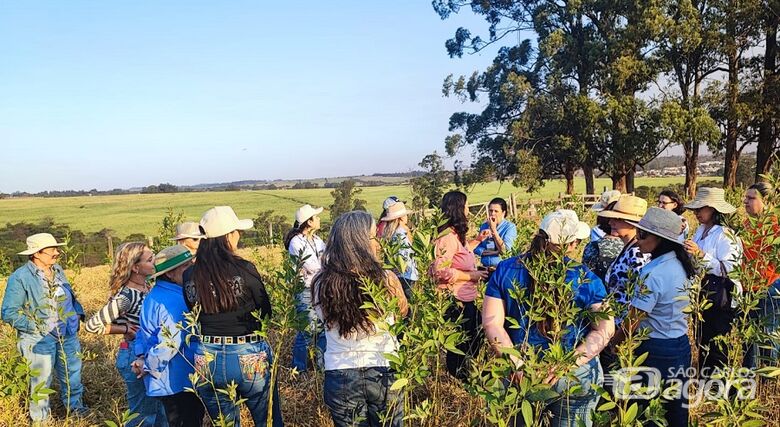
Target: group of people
column 200, row 325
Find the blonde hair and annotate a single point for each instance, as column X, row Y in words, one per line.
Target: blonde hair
column 390, row 227
column 127, row 255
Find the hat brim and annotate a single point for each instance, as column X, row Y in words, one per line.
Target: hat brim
column 313, row 214
column 245, row 224
column 583, row 231
column 598, row 207
column 160, row 273
column 35, row 251
column 394, row 216
column 187, row 236
column 675, row 239
column 619, row 215
column 722, row 207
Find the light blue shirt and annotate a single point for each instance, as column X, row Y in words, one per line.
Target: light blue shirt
column 169, row 360
column 508, row 233
column 665, row 297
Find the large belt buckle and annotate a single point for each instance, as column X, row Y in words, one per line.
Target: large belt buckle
column 254, row 338
column 228, row 340
column 206, row 339
column 217, row 340
column 241, row 339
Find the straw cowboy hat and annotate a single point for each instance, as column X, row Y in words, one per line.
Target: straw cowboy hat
column 563, row 226
column 187, row 230
column 607, row 197
column 305, row 212
column 39, row 242
column 662, row 223
column 630, row 208
column 221, row 220
column 170, row 258
column 396, row 210
column 712, row 197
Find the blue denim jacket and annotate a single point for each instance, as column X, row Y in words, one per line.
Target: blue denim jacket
column 26, row 306
column 169, row 359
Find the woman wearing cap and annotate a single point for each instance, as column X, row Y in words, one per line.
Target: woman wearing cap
column 672, row 201
column 167, row 360
column 720, row 250
column 599, row 254
column 455, row 271
column 357, row 373
column 507, row 323
column 35, row 294
column 761, row 227
column 228, row 289
column 128, row 286
column 608, row 198
column 303, row 243
column 661, row 308
column 396, row 229
column 188, row 235
column 380, row 227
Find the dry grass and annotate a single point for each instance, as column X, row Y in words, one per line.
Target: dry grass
column 301, row 395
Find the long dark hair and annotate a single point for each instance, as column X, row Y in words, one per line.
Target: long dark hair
column 296, row 229
column 603, row 222
column 680, row 208
column 347, row 259
column 763, row 188
column 452, row 205
column 212, row 274
column 666, row 246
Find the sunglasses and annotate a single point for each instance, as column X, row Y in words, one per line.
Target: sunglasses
column 662, row 203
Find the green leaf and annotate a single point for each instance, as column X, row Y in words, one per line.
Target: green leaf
column 630, row 415
column 528, row 413
column 399, row 384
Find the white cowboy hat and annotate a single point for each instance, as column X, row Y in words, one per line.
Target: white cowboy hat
column 221, row 220
column 712, row 197
column 607, row 197
column 305, row 212
column 38, row 242
column 187, row 230
column 662, row 223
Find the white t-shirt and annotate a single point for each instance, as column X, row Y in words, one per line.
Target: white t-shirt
column 312, row 250
column 722, row 249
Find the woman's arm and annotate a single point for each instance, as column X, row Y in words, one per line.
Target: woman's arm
column 597, row 339
column 493, row 315
column 102, row 322
column 441, row 270
column 397, row 291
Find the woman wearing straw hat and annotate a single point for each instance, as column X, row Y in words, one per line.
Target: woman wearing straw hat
column 167, row 360
column 356, row 388
column 35, row 294
column 720, row 250
column 390, row 201
column 188, row 235
column 661, row 309
column 607, row 200
column 303, row 243
column 228, row 289
column 508, row 324
column 396, row 229
column 128, row 286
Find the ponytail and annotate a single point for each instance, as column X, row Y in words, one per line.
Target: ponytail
column 296, row 229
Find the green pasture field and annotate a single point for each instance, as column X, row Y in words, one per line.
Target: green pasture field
column 141, row 213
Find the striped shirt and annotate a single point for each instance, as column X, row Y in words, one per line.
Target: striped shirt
column 122, row 309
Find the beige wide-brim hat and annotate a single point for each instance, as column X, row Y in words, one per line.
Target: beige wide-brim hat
column 712, row 197
column 188, row 230
column 662, row 223
column 397, row 210
column 39, row 242
column 629, row 208
column 607, row 197
column 170, row 258
column 221, row 220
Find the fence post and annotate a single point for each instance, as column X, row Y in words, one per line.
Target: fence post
column 151, row 241
column 271, row 232
column 110, row 247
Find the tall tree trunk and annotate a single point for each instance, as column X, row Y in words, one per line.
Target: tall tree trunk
column 691, row 168
column 731, row 160
column 569, row 175
column 590, row 180
column 630, row 180
column 770, row 94
column 619, row 183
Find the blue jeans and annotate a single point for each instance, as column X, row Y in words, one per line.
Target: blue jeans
column 150, row 410
column 768, row 312
column 246, row 365
column 47, row 355
column 672, row 357
column 362, row 397
column 303, row 339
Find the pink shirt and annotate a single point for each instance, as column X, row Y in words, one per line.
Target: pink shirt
column 451, row 257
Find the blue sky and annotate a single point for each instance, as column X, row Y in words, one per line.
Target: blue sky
column 105, row 94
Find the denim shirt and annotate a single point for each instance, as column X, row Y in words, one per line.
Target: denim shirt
column 169, row 360
column 511, row 273
column 508, row 232
column 27, row 304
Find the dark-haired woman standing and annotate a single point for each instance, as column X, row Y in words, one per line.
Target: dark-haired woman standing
column 455, row 271
column 672, row 201
column 662, row 307
column 357, row 373
column 228, row 290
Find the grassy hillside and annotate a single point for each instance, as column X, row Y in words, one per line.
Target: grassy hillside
column 140, row 213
